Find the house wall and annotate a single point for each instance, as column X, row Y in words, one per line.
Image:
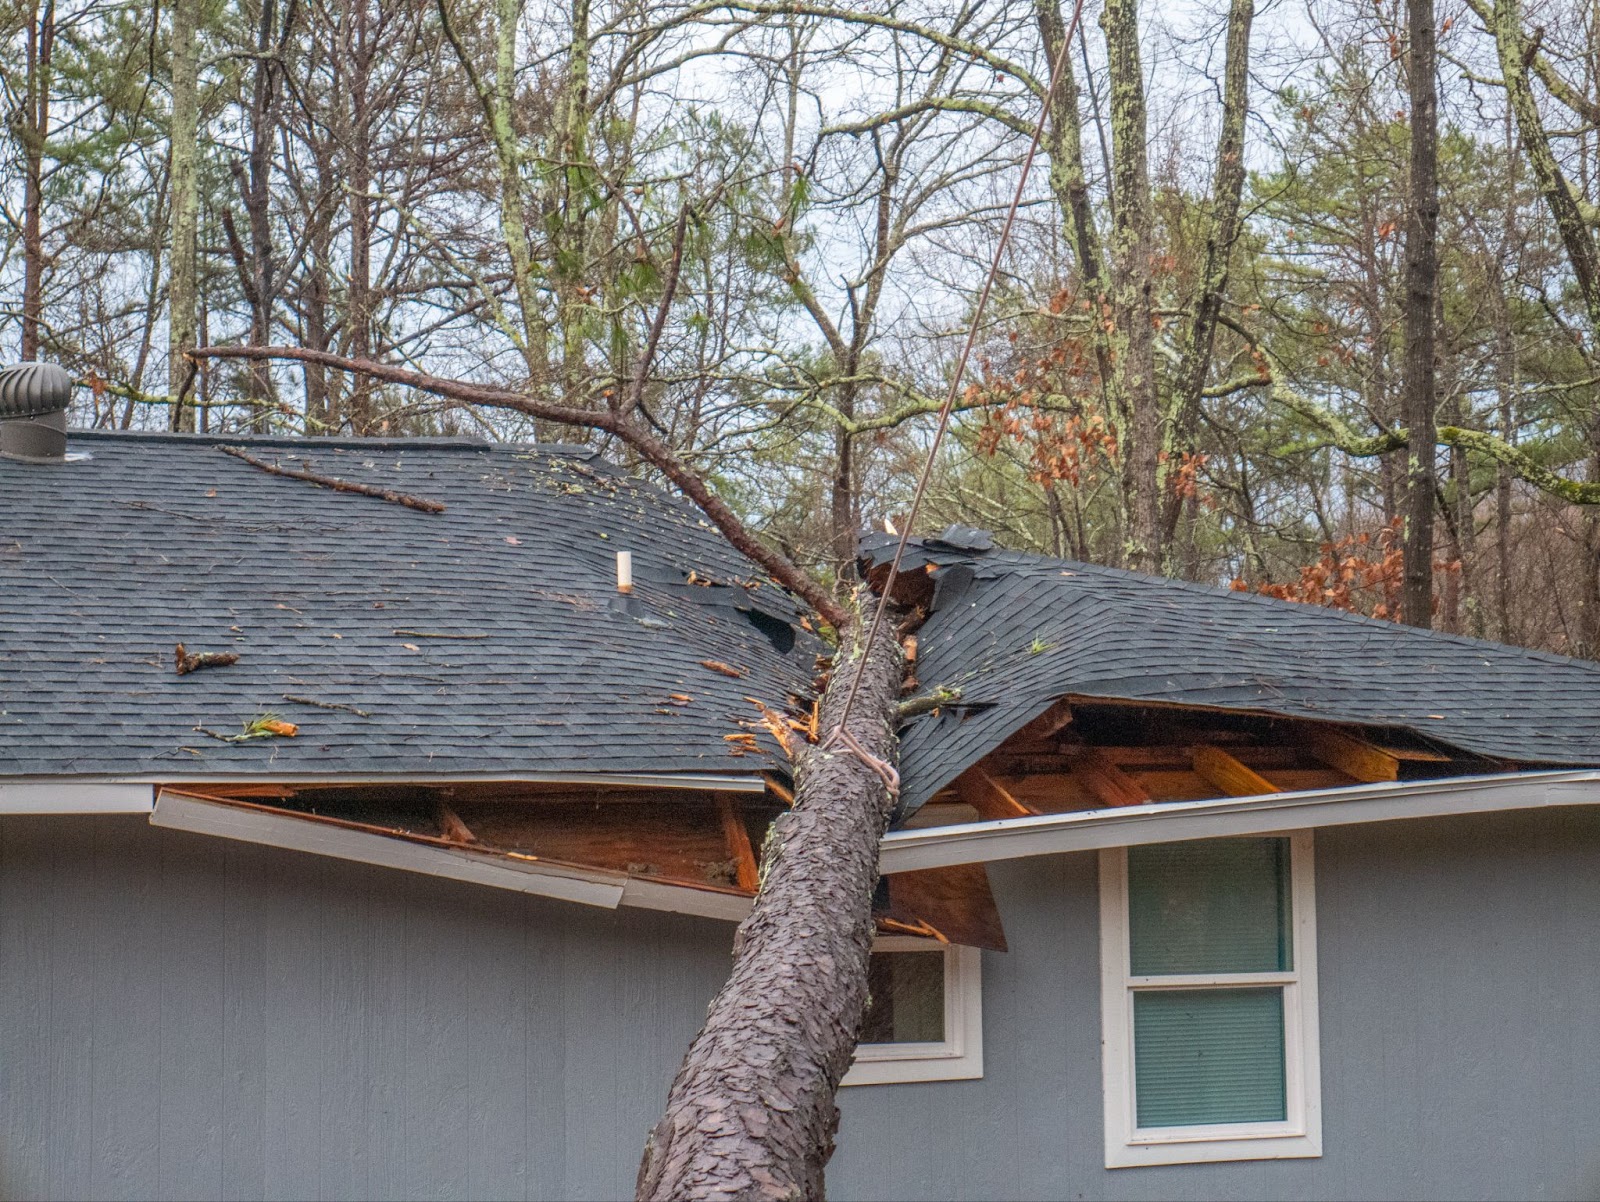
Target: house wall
column 184, row 1017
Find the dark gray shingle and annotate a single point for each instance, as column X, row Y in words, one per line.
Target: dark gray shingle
column 1027, row 629
column 107, row 564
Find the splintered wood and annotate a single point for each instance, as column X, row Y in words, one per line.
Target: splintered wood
column 748, row 877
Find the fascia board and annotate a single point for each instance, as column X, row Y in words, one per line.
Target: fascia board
column 1089, row 830
column 70, row 797
column 178, row 812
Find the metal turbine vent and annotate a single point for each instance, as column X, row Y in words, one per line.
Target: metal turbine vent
column 33, row 412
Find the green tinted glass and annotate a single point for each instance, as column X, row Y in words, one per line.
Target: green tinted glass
column 1209, row 906
column 1208, row 1056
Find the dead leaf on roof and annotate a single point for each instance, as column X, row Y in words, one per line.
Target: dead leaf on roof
column 716, row 665
column 411, row 647
column 515, row 542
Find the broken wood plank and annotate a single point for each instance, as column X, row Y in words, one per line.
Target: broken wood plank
column 954, row 904
column 1095, row 770
column 1421, row 755
column 1354, row 757
column 1046, row 725
column 986, row 795
column 450, row 824
column 747, row 874
column 1229, row 775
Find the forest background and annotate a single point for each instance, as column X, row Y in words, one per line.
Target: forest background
column 765, row 223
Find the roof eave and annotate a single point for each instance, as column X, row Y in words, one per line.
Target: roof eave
column 1167, row 822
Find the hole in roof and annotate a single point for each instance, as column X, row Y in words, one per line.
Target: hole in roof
column 778, row 632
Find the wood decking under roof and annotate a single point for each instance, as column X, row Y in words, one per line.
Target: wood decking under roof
column 1081, row 754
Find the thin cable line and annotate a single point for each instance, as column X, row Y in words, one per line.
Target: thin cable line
column 955, row 388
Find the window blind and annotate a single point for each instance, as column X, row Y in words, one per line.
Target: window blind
column 1209, row 906
column 1208, row 1056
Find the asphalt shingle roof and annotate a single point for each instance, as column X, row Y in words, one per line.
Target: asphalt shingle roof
column 1014, row 632
column 106, row 564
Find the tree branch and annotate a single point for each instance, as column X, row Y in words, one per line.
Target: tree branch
column 651, row 449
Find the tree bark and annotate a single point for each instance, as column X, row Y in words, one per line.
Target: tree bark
column 259, row 269
column 34, row 135
column 751, row 1113
column 183, row 279
column 1421, row 282
column 1227, row 186
column 1132, row 292
column 358, row 318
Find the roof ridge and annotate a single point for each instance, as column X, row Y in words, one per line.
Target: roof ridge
column 440, row 442
column 1033, row 559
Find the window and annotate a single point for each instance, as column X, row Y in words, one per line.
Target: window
column 925, row 1017
column 1208, row 967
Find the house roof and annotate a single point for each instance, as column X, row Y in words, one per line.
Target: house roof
column 485, row 639
column 1014, row 632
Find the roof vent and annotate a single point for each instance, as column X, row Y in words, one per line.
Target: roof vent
column 33, row 412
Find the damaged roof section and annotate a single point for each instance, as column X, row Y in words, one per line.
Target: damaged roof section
column 1015, row 633
column 482, row 633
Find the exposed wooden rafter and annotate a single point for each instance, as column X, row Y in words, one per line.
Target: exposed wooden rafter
column 1109, row 783
column 988, row 796
column 1229, row 775
column 450, row 824
column 1354, row 757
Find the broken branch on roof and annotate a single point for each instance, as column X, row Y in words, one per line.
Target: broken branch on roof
column 928, row 702
column 187, row 662
column 326, row 705
column 335, row 483
column 438, row 634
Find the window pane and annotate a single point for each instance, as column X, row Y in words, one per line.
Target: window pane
column 907, row 1004
column 1208, row 1056
column 1212, row 905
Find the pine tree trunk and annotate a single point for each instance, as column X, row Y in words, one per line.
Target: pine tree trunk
column 358, row 315
column 33, row 134
column 183, row 283
column 1132, row 293
column 752, row 1113
column 1421, row 282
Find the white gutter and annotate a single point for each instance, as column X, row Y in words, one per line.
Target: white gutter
column 68, row 797
column 1175, row 821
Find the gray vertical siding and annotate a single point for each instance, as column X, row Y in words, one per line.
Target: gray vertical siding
column 182, row 1017
column 1459, row 973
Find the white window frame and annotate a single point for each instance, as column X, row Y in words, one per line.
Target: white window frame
column 1300, row 1135
column 959, row 1056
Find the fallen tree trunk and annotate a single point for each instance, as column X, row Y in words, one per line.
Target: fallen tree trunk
column 751, row 1114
